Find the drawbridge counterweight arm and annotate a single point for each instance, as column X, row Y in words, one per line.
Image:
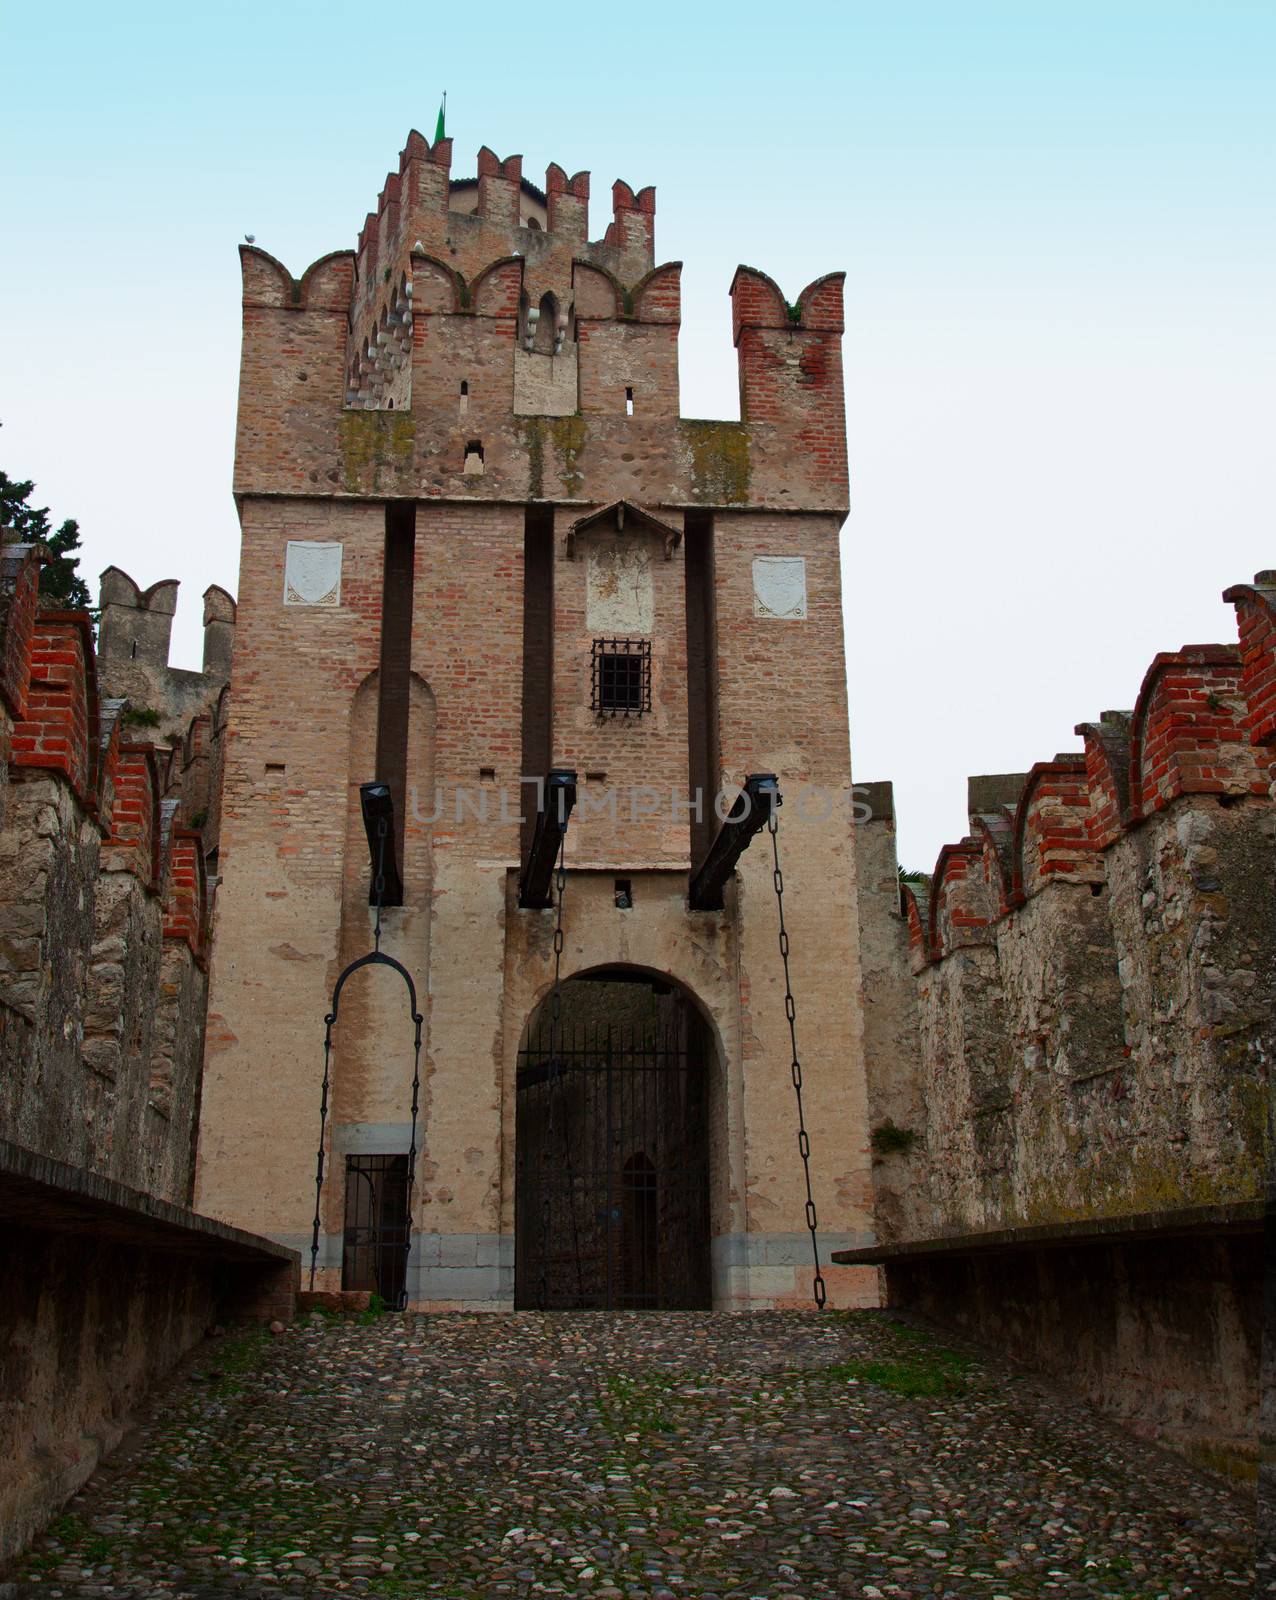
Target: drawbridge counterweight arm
column 747, row 817
column 558, row 796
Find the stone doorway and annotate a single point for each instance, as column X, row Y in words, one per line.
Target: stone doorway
column 611, row 1203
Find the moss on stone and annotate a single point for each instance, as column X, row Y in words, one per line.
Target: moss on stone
column 534, row 446
column 569, row 435
column 376, row 449
column 1134, row 1185
column 719, row 462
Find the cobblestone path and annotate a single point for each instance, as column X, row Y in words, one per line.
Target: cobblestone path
column 773, row 1455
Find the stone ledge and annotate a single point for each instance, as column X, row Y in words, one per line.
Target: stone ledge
column 1241, row 1216
column 38, row 1192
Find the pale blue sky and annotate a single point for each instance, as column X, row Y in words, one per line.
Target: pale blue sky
column 1057, row 221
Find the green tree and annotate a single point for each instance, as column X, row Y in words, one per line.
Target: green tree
column 61, row 586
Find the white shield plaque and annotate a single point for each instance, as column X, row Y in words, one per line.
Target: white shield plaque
column 312, row 573
column 779, row 587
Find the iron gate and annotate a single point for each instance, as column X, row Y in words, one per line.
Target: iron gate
column 375, row 1237
column 612, row 1132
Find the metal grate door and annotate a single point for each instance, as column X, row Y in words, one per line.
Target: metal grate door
column 373, row 1249
column 612, row 1129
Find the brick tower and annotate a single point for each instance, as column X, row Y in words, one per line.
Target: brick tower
column 480, row 543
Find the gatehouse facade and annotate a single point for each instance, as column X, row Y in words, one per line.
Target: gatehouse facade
column 480, row 546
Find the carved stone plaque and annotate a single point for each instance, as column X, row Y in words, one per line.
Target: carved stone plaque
column 779, row 587
column 619, row 591
column 312, row 573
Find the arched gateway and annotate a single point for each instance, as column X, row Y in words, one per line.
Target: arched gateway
column 612, row 1137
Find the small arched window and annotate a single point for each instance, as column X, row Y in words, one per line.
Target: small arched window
column 546, row 326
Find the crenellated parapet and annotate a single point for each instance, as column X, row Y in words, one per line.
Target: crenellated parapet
column 1256, row 620
column 1188, row 731
column 134, row 634
column 478, row 345
column 19, row 601
column 1094, row 964
column 104, row 905
column 790, row 360
column 186, row 892
column 58, row 732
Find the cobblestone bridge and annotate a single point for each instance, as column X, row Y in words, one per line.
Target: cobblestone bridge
column 775, row 1455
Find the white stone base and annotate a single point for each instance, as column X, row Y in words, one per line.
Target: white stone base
column 766, row 1271
column 749, row 1271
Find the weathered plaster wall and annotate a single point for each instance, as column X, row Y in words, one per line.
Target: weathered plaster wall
column 1163, row 1335
column 86, row 1326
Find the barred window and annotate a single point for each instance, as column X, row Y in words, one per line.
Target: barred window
column 621, row 677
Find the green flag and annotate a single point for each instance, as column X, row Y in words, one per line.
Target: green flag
column 438, row 131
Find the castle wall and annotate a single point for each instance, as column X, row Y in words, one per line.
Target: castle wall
column 134, row 630
column 88, row 891
column 106, row 1278
column 890, row 1024
column 285, row 816
column 1163, row 1334
column 781, row 697
column 125, row 1316
column 1094, row 986
column 481, row 371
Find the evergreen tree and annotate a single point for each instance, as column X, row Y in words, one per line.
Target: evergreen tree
column 61, row 586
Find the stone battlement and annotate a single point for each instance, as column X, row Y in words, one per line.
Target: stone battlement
column 1093, row 969
column 476, row 344
column 105, row 902
column 1069, row 1039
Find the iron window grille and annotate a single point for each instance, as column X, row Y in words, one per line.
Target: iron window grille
column 621, row 677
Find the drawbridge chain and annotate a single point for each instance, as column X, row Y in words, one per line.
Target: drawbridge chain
column 555, row 1072
column 378, row 811
column 790, row 1012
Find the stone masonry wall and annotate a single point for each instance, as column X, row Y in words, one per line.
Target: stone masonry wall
column 102, row 923
column 1093, row 1021
column 105, row 1279
column 1095, row 972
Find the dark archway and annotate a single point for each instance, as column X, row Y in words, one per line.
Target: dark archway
column 611, row 1200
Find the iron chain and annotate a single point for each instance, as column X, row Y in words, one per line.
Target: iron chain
column 323, row 1120
column 555, row 1031
column 417, row 1020
column 383, row 830
column 790, row 1012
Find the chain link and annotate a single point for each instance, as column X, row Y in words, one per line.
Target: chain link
column 555, row 1028
column 323, row 1121
column 378, row 887
column 383, row 833
column 417, row 1020
column 790, row 1012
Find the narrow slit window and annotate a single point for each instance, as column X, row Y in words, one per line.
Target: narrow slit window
column 465, row 396
column 621, row 677
column 629, row 402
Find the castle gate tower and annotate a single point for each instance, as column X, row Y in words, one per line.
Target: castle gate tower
column 481, row 544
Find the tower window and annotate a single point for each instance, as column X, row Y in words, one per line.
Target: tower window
column 629, row 402
column 621, row 677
